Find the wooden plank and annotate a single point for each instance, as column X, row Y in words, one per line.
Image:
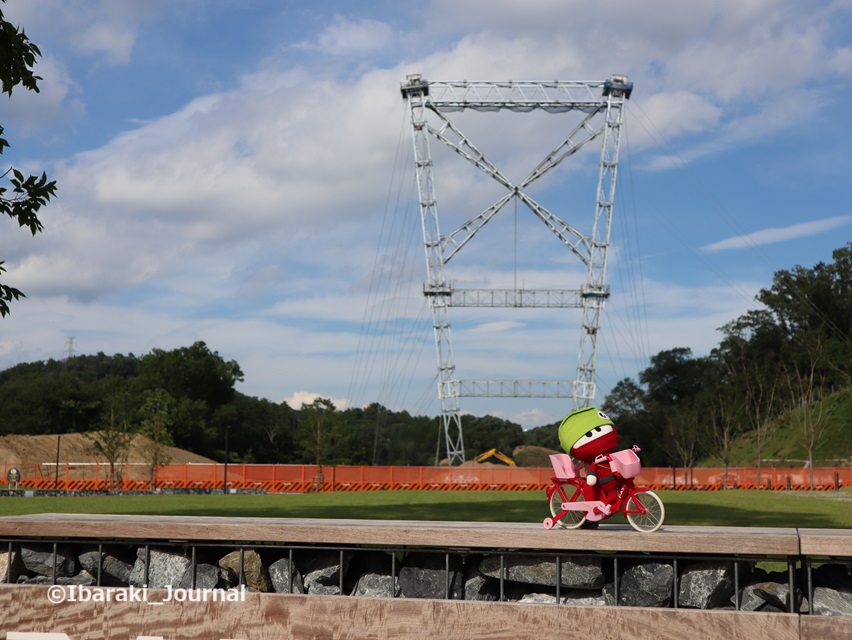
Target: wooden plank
column 272, row 617
column 826, row 542
column 394, row 533
column 826, row 628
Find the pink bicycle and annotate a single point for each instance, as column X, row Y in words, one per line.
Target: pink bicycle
column 569, row 495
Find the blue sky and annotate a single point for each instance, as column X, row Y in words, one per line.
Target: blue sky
column 241, row 173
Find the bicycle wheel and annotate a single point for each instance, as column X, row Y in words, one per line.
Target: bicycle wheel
column 654, row 515
column 567, row 492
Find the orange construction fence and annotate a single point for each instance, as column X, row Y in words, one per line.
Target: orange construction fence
column 286, row 478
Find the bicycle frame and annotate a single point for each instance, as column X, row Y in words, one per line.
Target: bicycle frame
column 584, row 498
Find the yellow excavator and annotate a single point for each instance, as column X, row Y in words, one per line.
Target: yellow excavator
column 482, row 457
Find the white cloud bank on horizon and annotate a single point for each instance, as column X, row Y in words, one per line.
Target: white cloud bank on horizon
column 302, row 398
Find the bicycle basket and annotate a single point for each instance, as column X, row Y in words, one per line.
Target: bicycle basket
column 626, row 463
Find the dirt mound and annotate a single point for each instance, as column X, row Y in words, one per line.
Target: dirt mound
column 532, row 456
column 487, row 465
column 75, row 447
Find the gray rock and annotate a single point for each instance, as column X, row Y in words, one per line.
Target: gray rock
column 749, row 600
column 517, row 591
column 584, row 598
column 375, row 585
column 323, row 573
column 538, row 598
column 285, row 577
column 326, row 576
column 424, row 575
column 114, row 572
column 39, row 559
column 479, row 588
column 575, row 597
column 776, row 595
column 83, row 578
column 706, row 585
column 832, row 602
column 317, row 589
column 166, row 568
column 256, row 577
column 577, row 573
column 207, row 576
column 89, row 560
column 769, row 593
column 647, row 585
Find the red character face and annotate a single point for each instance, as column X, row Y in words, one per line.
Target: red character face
column 598, row 441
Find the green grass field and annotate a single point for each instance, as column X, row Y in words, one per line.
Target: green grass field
column 723, row 508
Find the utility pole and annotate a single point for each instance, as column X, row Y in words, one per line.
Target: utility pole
column 69, row 348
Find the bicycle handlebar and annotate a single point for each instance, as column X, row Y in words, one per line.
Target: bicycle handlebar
column 605, row 456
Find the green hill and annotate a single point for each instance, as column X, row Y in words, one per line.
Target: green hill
column 784, row 444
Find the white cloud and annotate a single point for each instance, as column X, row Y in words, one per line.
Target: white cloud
column 778, row 234
column 234, row 166
column 302, row 398
column 105, row 28
column 535, row 417
column 114, row 41
column 55, row 106
column 227, row 169
column 690, row 63
column 351, row 37
column 496, row 327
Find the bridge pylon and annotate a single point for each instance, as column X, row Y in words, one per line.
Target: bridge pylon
column 601, row 105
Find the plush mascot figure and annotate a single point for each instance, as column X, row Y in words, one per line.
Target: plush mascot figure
column 586, row 434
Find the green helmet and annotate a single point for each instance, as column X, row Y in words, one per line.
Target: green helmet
column 576, row 424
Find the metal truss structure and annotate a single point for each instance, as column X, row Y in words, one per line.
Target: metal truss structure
column 601, row 104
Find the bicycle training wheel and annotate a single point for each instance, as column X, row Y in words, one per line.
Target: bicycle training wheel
column 654, row 514
column 565, row 493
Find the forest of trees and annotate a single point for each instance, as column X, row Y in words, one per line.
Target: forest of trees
column 778, row 363
column 186, row 397
column 791, row 353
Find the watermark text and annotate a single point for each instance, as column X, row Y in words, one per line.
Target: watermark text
column 58, row 594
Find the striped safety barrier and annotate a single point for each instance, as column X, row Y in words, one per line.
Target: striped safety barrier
column 304, row 478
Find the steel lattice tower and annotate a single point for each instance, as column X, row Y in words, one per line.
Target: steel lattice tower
column 429, row 103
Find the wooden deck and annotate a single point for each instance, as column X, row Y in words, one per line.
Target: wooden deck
column 395, row 533
column 826, row 542
column 276, row 616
